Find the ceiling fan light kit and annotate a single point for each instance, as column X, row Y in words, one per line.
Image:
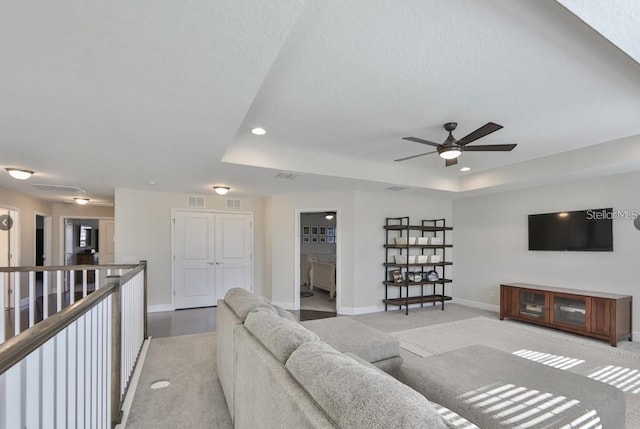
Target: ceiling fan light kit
column 451, row 148
column 449, row 153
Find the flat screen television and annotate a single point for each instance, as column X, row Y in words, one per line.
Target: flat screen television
column 584, row 230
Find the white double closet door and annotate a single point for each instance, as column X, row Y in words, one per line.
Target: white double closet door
column 212, row 253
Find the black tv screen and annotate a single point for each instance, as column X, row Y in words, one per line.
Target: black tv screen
column 584, row 230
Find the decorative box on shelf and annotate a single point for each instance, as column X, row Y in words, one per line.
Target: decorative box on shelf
column 404, row 259
column 402, row 241
column 435, row 241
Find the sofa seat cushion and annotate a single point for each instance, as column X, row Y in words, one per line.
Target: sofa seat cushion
column 495, row 389
column 356, row 396
column 280, row 335
column 348, row 335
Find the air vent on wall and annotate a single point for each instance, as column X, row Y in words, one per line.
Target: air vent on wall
column 61, row 188
column 233, row 204
column 195, row 202
column 289, row 176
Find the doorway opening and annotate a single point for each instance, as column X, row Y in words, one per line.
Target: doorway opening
column 318, row 261
column 42, row 247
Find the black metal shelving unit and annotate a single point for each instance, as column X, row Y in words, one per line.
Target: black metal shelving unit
column 402, row 227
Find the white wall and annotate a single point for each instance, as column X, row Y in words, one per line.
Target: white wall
column 491, row 245
column 28, row 208
column 371, row 211
column 360, row 220
column 143, row 231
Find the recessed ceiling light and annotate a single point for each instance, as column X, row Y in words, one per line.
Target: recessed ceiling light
column 152, row 182
column 465, row 169
column 221, row 190
column 81, row 201
column 259, row 131
column 18, row 173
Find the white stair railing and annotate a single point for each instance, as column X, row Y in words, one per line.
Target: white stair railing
column 72, row 369
column 29, row 295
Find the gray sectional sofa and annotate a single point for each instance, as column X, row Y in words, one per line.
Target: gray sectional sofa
column 276, row 373
column 338, row 373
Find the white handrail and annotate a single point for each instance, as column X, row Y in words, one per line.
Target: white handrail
column 72, row 369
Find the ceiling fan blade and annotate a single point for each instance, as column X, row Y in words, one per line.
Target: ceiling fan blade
column 490, row 148
column 414, row 156
column 450, row 162
column 423, row 141
column 480, row 132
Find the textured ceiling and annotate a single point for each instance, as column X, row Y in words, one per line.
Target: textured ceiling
column 117, row 94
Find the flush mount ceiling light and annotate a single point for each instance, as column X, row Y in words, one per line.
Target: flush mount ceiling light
column 18, row 173
column 329, row 215
column 465, row 169
column 221, row 190
column 258, row 131
column 81, row 201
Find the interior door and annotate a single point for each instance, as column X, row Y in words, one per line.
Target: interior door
column 234, row 252
column 9, row 252
column 193, row 274
column 106, row 249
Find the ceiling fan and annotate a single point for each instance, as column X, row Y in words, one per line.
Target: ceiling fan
column 451, row 148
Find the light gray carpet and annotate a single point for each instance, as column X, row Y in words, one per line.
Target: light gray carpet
column 194, row 399
column 587, row 357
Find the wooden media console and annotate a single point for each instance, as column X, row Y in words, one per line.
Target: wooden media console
column 606, row 316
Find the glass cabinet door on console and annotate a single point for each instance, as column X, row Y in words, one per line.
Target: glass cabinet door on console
column 533, row 305
column 571, row 311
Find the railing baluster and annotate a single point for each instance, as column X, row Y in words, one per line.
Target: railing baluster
column 99, row 356
column 72, row 355
column 32, row 298
column 61, row 379
column 45, row 295
column 48, row 384
column 13, row 397
column 16, row 303
column 80, row 371
column 33, row 389
column 94, row 367
column 84, row 283
column 59, row 291
column 3, row 306
column 72, row 287
column 116, row 353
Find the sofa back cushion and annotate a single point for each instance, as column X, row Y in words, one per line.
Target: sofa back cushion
column 280, row 335
column 354, row 395
column 241, row 301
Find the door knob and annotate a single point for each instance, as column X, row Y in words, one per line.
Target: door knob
column 218, row 263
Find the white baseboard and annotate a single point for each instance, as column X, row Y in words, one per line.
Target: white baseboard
column 353, row 311
column 476, row 304
column 159, row 307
